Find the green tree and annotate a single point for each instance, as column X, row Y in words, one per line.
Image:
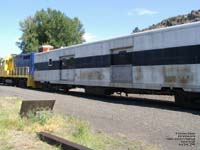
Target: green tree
column 49, row 27
column 136, row 30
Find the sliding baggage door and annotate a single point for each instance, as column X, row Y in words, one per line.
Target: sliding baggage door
column 121, row 66
column 67, row 65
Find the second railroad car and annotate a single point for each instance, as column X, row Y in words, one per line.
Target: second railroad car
column 157, row 61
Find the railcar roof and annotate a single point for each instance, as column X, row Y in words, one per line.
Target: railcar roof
column 182, row 26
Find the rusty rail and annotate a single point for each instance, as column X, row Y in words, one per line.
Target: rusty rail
column 57, row 141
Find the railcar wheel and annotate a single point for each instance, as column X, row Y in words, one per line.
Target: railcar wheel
column 47, row 87
column 187, row 100
column 181, row 99
column 96, row 91
column 22, row 83
column 66, row 90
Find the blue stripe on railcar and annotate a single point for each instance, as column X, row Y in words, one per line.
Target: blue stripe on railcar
column 25, row 60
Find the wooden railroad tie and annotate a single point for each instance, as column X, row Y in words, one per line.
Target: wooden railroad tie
column 57, row 141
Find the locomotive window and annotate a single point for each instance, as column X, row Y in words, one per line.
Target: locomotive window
column 26, row 57
column 50, row 62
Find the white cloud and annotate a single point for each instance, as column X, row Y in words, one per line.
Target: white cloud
column 89, row 37
column 142, row 12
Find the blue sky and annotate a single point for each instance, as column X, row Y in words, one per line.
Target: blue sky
column 101, row 19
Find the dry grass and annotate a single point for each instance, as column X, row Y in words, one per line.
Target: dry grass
column 20, row 133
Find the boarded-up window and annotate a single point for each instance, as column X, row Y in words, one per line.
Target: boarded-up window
column 67, row 62
column 121, row 56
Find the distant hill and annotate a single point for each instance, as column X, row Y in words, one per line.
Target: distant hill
column 193, row 16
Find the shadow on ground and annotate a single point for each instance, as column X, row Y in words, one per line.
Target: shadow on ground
column 143, row 102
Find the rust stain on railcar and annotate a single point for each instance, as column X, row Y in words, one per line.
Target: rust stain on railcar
column 169, row 75
column 139, row 74
column 91, row 75
column 177, row 74
column 185, row 75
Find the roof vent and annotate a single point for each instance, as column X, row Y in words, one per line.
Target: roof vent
column 45, row 48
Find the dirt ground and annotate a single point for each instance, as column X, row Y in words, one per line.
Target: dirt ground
column 150, row 119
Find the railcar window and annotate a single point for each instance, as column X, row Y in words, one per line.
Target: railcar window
column 50, row 62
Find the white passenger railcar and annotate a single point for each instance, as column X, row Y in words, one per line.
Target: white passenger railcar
column 157, row 61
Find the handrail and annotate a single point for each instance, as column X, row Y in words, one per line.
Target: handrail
column 18, row 71
column 21, row 71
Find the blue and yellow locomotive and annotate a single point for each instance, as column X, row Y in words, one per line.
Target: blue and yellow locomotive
column 18, row 70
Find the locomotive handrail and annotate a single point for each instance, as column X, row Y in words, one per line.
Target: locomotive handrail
column 21, row 71
column 18, row 71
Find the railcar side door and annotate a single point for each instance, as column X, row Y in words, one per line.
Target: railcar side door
column 67, row 65
column 121, row 66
